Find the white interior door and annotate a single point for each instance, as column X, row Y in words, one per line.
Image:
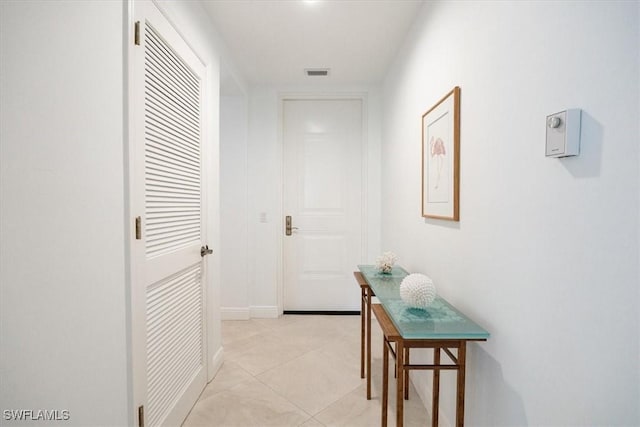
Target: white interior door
column 168, row 295
column 323, row 194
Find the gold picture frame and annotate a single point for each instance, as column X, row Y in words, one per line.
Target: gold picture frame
column 441, row 158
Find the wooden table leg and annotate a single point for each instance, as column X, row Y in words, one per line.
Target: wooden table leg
column 400, row 383
column 368, row 344
column 406, row 373
column 362, row 333
column 462, row 355
column 385, row 380
column 435, row 402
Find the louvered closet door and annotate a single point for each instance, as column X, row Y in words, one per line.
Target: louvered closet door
column 169, row 296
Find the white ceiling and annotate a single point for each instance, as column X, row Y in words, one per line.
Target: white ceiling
column 272, row 42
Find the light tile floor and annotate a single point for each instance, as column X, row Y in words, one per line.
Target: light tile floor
column 297, row 371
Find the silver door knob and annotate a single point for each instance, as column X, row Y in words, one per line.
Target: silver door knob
column 205, row 251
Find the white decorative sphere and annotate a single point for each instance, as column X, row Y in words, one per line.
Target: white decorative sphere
column 417, row 290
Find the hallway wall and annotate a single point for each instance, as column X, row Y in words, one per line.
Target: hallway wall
column 63, row 334
column 234, row 123
column 545, row 255
column 65, row 290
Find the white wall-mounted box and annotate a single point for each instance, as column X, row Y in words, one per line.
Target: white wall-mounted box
column 563, row 133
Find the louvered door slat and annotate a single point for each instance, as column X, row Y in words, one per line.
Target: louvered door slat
column 153, row 72
column 157, row 102
column 168, row 139
column 176, row 296
column 168, row 189
column 158, row 363
column 175, row 121
column 170, row 181
column 170, row 220
column 166, row 54
column 165, row 139
column 169, row 212
column 172, row 149
column 176, row 83
column 172, row 225
column 186, row 349
column 158, row 366
column 160, row 82
column 178, row 118
column 171, row 205
column 164, row 163
column 184, row 300
column 156, row 91
column 174, row 340
column 170, row 67
column 163, row 195
column 157, row 174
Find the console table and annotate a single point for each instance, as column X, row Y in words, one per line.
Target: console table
column 440, row 327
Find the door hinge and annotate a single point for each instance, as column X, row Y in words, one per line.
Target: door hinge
column 138, row 228
column 141, row 416
column 136, row 33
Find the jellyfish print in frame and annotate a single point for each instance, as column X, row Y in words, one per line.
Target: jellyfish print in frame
column 437, row 166
column 441, row 158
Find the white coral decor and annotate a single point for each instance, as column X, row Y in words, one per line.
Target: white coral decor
column 417, row 290
column 385, row 262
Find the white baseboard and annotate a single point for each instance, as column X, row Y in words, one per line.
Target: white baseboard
column 264, row 312
column 246, row 313
column 235, row 313
column 215, row 364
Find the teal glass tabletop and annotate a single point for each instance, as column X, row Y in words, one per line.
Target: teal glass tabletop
column 440, row 320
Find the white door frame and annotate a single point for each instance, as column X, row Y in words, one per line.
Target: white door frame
column 310, row 96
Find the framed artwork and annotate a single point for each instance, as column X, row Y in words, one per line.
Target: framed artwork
column 441, row 158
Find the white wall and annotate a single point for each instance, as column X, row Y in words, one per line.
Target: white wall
column 265, row 188
column 545, row 255
column 264, row 193
column 234, row 298
column 63, row 339
column 64, row 290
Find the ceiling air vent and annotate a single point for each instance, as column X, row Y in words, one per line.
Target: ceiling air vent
column 316, row 72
